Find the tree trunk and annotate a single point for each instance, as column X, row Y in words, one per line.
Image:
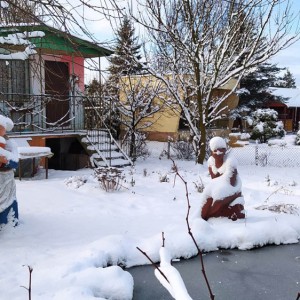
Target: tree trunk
column 132, row 146
column 202, row 142
column 202, row 145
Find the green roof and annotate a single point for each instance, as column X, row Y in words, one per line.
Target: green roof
column 58, row 42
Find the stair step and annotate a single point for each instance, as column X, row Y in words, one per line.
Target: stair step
column 96, row 141
column 113, row 163
column 97, row 133
column 111, row 155
column 102, row 148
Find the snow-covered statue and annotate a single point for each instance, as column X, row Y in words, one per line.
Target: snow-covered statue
column 8, row 162
column 223, row 196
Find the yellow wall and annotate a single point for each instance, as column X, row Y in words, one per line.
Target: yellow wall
column 165, row 123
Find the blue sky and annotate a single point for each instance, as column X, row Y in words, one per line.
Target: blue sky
column 290, row 57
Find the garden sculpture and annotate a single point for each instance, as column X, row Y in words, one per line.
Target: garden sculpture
column 223, row 196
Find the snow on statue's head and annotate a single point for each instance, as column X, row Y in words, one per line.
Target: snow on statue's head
column 6, row 123
column 217, row 143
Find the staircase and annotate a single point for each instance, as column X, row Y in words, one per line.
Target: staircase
column 103, row 149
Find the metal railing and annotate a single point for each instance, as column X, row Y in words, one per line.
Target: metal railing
column 43, row 113
column 50, row 114
column 103, row 137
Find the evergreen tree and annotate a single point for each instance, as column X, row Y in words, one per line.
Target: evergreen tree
column 265, row 125
column 125, row 60
column 287, row 80
column 254, row 87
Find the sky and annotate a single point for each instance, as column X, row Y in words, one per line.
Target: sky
column 74, row 235
column 288, row 58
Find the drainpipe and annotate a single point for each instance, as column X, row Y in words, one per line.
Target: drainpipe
column 295, row 119
column 42, row 92
column 73, row 99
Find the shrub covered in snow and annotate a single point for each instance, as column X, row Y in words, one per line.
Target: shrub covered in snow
column 276, row 142
column 75, row 181
column 110, row 179
column 266, row 125
column 297, row 139
column 182, row 148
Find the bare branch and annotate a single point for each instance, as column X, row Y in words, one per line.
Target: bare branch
column 153, row 264
column 199, row 251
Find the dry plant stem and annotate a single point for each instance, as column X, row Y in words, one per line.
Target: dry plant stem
column 199, row 252
column 153, row 264
column 30, row 269
column 281, row 188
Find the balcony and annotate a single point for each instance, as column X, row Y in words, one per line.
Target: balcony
column 37, row 114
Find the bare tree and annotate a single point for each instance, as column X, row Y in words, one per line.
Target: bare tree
column 141, row 96
column 200, row 46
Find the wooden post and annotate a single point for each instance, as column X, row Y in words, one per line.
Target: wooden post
column 33, row 166
column 46, row 166
column 20, row 172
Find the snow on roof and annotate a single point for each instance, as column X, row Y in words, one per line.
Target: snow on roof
column 20, row 38
column 293, row 95
column 19, row 55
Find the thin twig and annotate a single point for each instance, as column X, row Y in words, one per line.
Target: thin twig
column 274, row 192
column 30, row 269
column 199, row 252
column 153, row 264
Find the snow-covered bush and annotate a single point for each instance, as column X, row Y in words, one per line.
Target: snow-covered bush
column 110, row 179
column 182, row 148
column 265, row 125
column 164, row 178
column 75, row 181
column 285, row 208
column 297, row 139
column 276, row 142
column 199, row 185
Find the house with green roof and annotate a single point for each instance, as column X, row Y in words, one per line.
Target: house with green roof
column 42, row 90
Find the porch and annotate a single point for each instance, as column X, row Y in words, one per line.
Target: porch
column 73, row 127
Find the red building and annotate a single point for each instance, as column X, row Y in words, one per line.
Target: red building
column 289, row 111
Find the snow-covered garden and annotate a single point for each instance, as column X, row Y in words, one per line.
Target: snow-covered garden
column 78, row 238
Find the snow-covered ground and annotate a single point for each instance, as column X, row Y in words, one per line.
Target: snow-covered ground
column 76, row 236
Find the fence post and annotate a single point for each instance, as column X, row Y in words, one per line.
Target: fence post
column 256, row 153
